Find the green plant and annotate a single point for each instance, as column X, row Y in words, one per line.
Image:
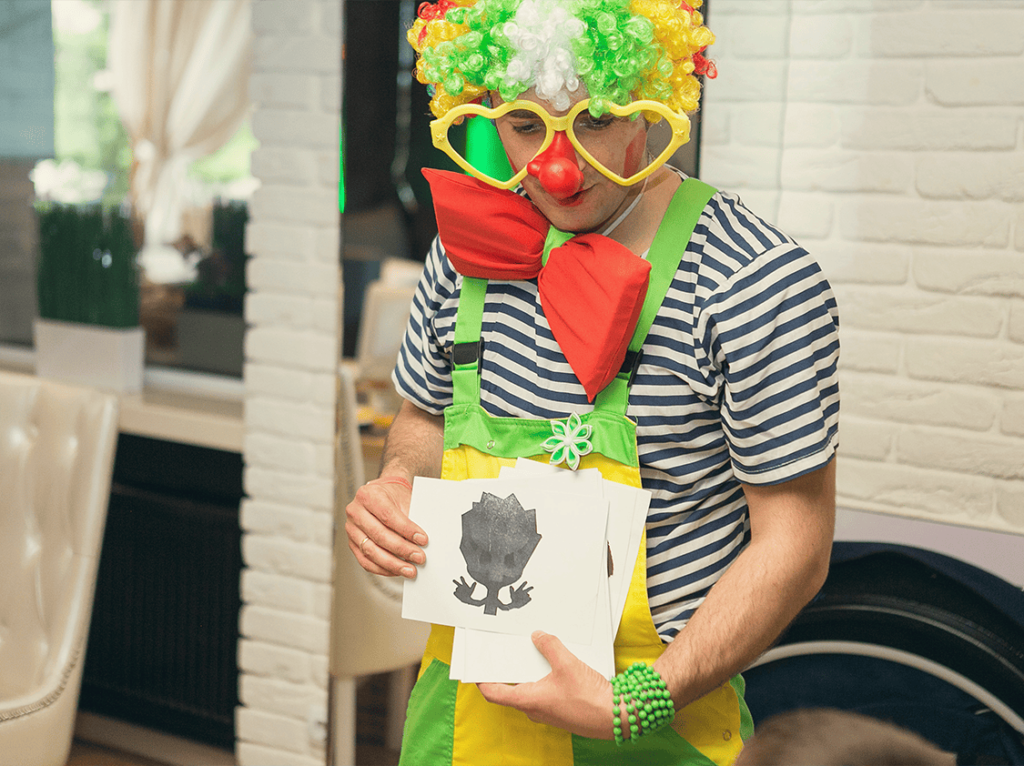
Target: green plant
column 87, row 271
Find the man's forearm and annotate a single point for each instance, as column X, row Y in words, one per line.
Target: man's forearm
column 762, row 591
column 734, row 625
column 414, row 444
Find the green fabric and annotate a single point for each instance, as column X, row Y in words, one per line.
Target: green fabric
column 471, row 297
column 673, row 234
column 746, row 720
column 429, row 733
column 484, row 150
column 466, row 377
column 675, row 230
column 613, row 435
column 662, row 748
column 555, row 238
column 614, row 397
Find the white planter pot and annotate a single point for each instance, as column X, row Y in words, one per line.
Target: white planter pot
column 110, row 358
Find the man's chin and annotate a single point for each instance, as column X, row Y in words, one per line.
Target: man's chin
column 570, row 215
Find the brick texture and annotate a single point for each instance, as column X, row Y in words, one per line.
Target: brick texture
column 292, row 351
column 1010, row 503
column 969, row 271
column 887, row 135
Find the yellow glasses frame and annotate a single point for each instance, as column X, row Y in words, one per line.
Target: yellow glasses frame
column 680, row 124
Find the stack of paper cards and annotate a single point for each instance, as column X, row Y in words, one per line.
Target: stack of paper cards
column 538, row 548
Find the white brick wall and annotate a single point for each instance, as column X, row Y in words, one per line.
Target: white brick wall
column 887, row 136
column 292, row 349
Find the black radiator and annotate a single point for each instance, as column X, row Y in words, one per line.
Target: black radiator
column 163, row 642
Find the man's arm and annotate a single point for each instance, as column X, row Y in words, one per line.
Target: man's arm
column 783, row 567
column 380, row 534
column 791, row 527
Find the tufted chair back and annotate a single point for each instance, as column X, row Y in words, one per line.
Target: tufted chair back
column 56, row 460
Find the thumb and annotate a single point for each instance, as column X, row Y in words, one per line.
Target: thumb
column 550, row 647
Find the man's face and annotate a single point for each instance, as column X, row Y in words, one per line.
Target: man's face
column 619, row 143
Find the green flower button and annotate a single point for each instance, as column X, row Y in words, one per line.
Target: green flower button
column 570, row 442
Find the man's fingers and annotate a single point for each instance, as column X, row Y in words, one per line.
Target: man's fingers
column 521, row 696
column 387, row 540
column 366, row 563
column 502, row 694
column 389, row 504
column 378, row 526
column 379, row 549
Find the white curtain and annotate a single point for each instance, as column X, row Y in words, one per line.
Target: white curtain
column 180, row 72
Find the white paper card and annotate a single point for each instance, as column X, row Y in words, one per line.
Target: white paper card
column 500, row 658
column 627, row 515
column 538, row 553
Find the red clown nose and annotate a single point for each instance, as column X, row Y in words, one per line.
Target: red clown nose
column 556, row 168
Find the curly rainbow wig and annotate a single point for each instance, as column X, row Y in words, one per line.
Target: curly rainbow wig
column 621, row 50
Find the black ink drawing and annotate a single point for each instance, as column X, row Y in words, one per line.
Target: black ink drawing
column 498, row 538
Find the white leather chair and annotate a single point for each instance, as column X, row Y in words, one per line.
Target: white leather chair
column 368, row 634
column 56, row 459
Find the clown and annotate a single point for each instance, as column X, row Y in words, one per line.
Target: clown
column 600, row 291
column 604, row 60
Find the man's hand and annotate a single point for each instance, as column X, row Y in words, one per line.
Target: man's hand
column 380, row 534
column 573, row 696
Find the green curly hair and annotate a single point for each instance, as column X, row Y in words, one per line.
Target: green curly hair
column 627, row 50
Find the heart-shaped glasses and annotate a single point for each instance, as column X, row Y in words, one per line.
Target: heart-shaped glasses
column 585, row 133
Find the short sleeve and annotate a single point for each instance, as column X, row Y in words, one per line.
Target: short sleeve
column 772, row 331
column 422, row 374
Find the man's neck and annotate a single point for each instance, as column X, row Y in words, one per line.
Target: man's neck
column 637, row 230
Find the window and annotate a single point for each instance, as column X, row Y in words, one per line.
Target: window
column 192, row 316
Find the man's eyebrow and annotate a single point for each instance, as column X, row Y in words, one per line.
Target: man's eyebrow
column 523, row 114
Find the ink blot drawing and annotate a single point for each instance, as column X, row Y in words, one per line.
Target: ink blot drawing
column 498, row 538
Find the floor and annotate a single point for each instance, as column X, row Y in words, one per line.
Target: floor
column 85, row 754
column 371, row 710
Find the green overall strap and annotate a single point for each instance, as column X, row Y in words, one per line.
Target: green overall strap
column 468, row 345
column 668, row 247
column 467, row 349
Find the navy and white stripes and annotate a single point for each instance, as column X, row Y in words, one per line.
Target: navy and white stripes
column 737, row 383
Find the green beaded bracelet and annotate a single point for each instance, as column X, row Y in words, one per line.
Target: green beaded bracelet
column 646, row 699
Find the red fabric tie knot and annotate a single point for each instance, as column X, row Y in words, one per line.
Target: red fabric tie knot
column 591, row 290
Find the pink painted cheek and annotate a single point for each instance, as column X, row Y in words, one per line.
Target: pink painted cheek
column 635, row 154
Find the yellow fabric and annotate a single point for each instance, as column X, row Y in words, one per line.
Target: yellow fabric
column 502, row 736
column 496, row 735
column 712, row 724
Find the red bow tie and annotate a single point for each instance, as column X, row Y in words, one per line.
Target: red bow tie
column 591, row 290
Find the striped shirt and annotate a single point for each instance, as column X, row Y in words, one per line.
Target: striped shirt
column 737, row 383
